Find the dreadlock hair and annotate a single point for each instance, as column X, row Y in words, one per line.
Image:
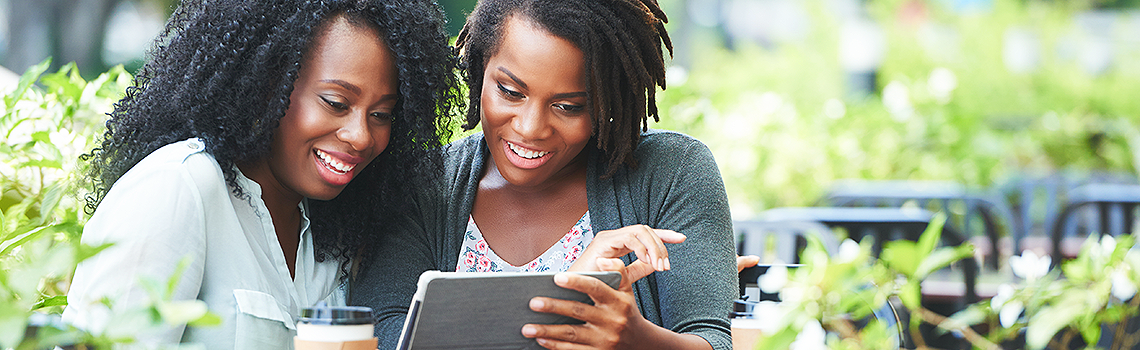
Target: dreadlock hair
column 621, row 41
column 223, row 71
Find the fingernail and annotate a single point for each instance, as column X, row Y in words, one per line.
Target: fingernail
column 667, row 264
column 660, row 264
column 561, row 279
column 536, row 304
column 529, row 331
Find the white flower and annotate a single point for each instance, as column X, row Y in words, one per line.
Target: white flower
column 941, row 83
column 834, row 108
column 1123, row 288
column 1030, row 266
column 848, row 251
column 1107, row 244
column 774, row 279
column 897, row 100
column 1008, row 310
column 811, row 337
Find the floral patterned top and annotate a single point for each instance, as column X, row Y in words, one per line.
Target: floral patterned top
column 476, row 256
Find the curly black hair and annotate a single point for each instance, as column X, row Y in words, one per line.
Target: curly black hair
column 223, row 71
column 621, row 41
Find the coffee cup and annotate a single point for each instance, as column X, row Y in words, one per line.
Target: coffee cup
column 335, row 328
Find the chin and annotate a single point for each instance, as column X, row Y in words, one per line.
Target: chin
column 326, row 195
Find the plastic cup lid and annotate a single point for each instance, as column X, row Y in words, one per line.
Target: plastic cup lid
column 337, row 315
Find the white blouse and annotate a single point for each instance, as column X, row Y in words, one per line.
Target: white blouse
column 175, row 204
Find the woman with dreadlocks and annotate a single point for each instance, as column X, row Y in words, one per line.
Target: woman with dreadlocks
column 565, row 177
column 251, row 151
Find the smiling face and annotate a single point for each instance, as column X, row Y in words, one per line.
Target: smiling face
column 533, row 105
column 339, row 116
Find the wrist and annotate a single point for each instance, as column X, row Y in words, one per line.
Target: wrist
column 657, row 337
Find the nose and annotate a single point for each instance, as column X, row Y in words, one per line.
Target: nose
column 354, row 131
column 533, row 123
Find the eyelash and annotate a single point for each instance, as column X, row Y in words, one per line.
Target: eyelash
column 511, row 94
column 340, row 106
column 569, row 108
column 382, row 116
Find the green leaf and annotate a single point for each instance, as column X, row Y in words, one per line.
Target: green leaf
column 781, row 340
column 932, row 235
column 7, row 246
column 172, row 282
column 1048, row 321
column 1091, row 332
column 911, row 295
column 901, row 256
column 26, row 80
column 66, row 83
column 181, row 311
column 972, row 315
column 941, row 258
column 58, row 300
column 43, row 163
column 51, row 199
column 12, row 328
column 84, row 252
column 210, row 319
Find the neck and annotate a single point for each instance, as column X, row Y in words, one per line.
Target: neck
column 568, row 176
column 280, row 201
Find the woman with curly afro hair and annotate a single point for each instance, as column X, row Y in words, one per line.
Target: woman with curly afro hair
column 251, row 152
column 565, row 176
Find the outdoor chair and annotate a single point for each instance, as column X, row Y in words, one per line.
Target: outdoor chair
column 965, row 207
column 945, row 294
column 1094, row 208
column 1036, row 200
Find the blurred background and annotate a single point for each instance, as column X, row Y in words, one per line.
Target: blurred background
column 793, row 95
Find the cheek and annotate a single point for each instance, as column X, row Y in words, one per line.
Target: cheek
column 380, row 138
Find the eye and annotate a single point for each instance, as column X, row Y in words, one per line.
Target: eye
column 510, row 94
column 337, row 105
column 569, row 107
column 382, row 117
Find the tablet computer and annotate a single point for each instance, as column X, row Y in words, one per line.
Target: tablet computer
column 484, row 310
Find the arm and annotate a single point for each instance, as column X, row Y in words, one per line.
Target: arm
column 154, row 219
column 695, row 296
column 389, row 275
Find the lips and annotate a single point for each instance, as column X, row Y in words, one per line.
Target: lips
column 523, row 157
column 335, row 167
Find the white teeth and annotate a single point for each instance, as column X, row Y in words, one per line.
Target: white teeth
column 525, row 153
column 336, row 165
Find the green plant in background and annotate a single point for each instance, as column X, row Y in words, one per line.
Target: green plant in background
column 947, row 107
column 833, row 291
column 46, row 128
column 1092, row 303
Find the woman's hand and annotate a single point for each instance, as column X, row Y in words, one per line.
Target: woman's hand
column 644, row 241
column 746, row 261
column 613, row 322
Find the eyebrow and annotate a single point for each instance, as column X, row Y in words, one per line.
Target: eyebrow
column 521, row 83
column 513, row 77
column 355, row 89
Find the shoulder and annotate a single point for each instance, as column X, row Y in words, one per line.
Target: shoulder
column 180, row 164
column 465, row 154
column 670, row 149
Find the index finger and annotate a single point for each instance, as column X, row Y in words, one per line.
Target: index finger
column 599, row 291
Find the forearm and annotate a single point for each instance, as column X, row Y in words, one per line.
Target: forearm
column 657, row 337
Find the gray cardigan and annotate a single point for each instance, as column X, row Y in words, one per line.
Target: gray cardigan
column 676, row 185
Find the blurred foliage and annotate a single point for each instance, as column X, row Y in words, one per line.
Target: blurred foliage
column 46, row 128
column 1090, row 300
column 1090, row 305
column 783, row 125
